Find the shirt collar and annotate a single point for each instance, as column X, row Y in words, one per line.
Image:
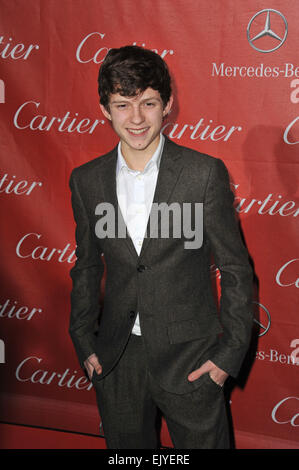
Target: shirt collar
column 154, row 161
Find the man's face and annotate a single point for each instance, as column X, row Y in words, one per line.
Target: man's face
column 137, row 120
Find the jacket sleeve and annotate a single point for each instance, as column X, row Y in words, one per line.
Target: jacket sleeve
column 86, row 276
column 231, row 258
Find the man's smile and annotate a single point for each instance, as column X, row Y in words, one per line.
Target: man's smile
column 138, row 131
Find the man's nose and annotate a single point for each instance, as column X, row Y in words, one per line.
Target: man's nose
column 137, row 115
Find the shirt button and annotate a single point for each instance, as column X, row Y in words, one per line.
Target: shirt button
column 141, row 268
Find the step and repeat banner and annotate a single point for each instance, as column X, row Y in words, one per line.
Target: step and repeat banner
column 235, row 72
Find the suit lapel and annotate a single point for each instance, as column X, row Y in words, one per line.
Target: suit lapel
column 109, row 188
column 171, row 165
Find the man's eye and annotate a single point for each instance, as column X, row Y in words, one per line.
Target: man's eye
column 150, row 104
column 121, row 106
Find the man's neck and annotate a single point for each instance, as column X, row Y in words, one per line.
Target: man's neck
column 137, row 159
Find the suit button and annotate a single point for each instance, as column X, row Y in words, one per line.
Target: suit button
column 141, row 268
column 132, row 314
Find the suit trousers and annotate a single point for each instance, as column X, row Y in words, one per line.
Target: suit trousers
column 129, row 398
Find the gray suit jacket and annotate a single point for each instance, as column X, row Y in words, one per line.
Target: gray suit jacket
column 169, row 285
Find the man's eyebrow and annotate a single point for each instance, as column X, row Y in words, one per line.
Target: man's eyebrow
column 150, row 99
column 129, row 101
column 119, row 102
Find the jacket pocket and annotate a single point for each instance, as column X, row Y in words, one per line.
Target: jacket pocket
column 192, row 329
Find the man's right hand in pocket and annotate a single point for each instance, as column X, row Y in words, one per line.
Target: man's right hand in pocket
column 92, row 363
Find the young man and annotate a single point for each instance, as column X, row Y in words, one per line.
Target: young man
column 159, row 342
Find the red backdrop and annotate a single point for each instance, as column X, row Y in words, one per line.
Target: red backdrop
column 237, row 95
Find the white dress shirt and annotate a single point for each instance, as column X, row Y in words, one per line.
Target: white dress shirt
column 135, row 192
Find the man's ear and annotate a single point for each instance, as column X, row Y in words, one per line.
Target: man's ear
column 105, row 112
column 168, row 106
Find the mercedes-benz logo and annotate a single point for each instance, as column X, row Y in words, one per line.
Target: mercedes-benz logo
column 267, row 31
column 265, row 322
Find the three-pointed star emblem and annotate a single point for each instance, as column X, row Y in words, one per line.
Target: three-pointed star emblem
column 267, row 30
